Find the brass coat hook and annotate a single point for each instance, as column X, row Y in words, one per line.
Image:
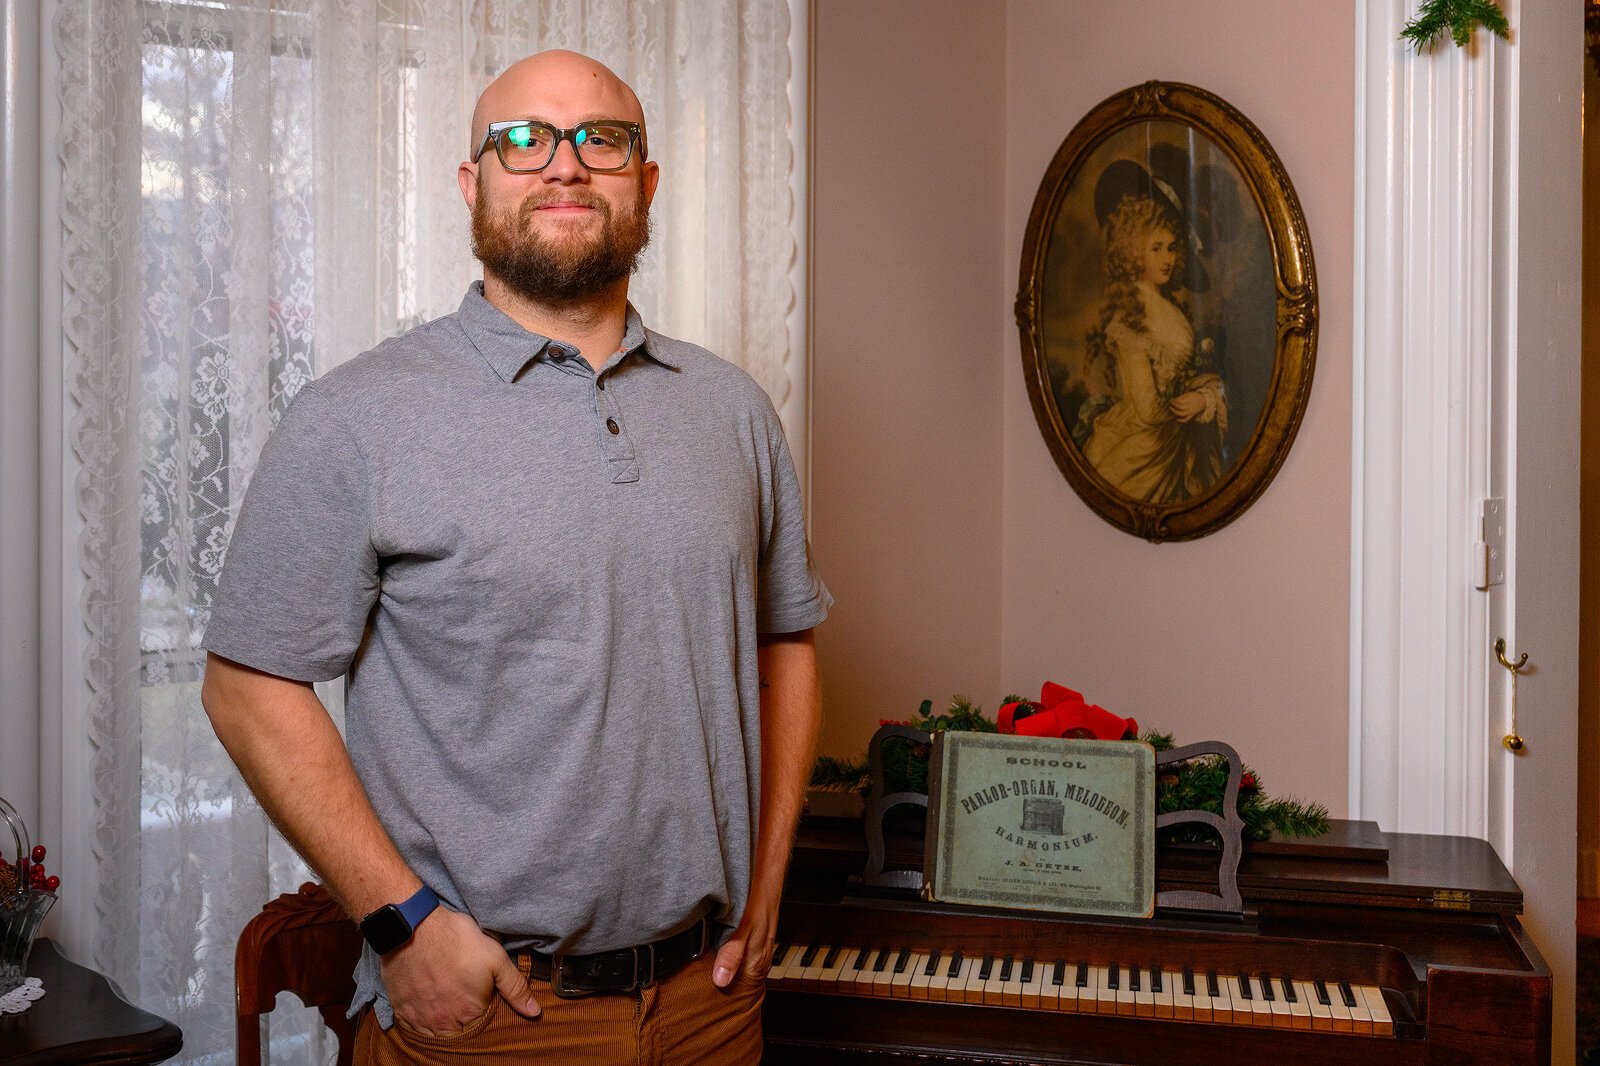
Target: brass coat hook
column 1513, row 740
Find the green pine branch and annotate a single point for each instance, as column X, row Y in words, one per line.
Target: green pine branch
column 1459, row 18
column 1195, row 784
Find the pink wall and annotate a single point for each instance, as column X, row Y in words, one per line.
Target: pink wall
column 961, row 559
column 1243, row 635
column 907, row 327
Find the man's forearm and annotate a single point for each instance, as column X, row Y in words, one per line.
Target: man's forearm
column 791, row 715
column 292, row 757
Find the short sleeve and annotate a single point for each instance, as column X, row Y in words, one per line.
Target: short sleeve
column 790, row 594
column 300, row 575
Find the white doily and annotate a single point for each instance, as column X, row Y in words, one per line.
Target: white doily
column 21, row 998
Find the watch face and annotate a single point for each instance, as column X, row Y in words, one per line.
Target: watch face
column 385, row 929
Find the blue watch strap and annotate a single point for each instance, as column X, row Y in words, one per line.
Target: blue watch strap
column 419, row 906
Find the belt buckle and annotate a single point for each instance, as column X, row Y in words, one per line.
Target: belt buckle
column 558, row 986
column 649, row 978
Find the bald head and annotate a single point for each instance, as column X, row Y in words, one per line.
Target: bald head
column 559, row 87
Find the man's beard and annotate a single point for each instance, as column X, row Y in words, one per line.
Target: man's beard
column 562, row 270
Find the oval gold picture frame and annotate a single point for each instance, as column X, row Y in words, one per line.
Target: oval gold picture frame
column 1168, row 311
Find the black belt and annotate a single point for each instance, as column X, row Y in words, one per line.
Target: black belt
column 622, row 970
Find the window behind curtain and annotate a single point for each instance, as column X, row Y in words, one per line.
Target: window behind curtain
column 254, row 191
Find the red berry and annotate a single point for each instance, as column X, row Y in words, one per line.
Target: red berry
column 38, row 853
column 52, row 883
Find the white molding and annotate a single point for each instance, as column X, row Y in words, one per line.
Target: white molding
column 797, row 405
column 1424, row 257
column 19, row 411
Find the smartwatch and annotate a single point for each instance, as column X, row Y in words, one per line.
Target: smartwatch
column 391, row 925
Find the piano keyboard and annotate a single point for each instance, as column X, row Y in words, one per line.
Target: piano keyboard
column 1275, row 1000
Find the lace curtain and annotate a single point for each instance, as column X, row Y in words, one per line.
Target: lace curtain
column 256, row 190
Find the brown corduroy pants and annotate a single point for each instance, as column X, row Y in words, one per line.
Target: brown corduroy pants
column 682, row 1021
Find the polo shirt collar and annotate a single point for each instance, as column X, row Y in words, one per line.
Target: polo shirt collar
column 508, row 348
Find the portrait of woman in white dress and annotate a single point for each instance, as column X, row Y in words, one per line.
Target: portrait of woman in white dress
column 1167, row 311
column 1160, row 437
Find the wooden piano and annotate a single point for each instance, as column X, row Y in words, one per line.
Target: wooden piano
column 1359, row 947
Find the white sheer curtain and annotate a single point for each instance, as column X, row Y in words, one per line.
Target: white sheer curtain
column 254, row 191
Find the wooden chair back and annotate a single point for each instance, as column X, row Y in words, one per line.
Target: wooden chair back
column 301, row 942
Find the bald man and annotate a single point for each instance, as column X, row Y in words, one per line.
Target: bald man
column 561, row 562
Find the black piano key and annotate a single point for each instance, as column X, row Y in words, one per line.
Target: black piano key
column 779, row 952
column 1322, row 993
column 861, row 959
column 881, row 961
column 900, row 962
column 987, row 968
column 1083, row 975
column 1211, row 984
column 932, row 967
column 1188, row 981
column 1113, row 978
column 831, row 957
column 1155, row 979
column 809, row 955
column 1244, row 987
column 1027, row 969
column 955, row 965
column 1005, row 969
column 1266, row 988
column 1288, row 990
column 1059, row 977
column 1347, row 994
column 1133, row 979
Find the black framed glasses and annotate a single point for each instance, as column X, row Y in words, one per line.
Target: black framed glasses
column 526, row 146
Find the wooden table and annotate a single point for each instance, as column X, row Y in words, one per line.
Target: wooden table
column 81, row 1019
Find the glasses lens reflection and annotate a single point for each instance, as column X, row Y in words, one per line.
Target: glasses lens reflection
column 530, row 146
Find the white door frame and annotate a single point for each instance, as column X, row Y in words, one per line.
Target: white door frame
column 1467, row 379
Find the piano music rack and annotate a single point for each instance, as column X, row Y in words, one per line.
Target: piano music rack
column 1229, row 826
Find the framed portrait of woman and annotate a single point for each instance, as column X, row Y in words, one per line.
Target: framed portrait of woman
column 1168, row 311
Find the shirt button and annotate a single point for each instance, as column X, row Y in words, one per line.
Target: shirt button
column 611, row 424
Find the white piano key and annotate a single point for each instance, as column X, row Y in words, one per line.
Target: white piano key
column 1206, row 1005
column 810, row 975
column 929, row 963
column 1299, row 1009
column 1165, row 1004
column 1260, row 1006
column 1182, row 1002
column 1033, row 987
column 1321, row 1016
column 1089, row 990
column 939, row 984
column 1360, row 1015
column 784, row 956
column 956, row 992
column 1105, row 997
column 1063, row 995
column 1144, row 998
column 900, row 987
column 1011, row 984
column 829, row 981
column 883, row 971
column 1342, row 1022
column 1125, row 996
column 1222, row 1008
column 991, row 984
column 858, row 980
column 1279, row 1014
column 1372, row 996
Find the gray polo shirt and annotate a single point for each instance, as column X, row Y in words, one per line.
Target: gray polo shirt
column 544, row 586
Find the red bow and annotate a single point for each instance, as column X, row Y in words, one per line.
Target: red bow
column 1062, row 712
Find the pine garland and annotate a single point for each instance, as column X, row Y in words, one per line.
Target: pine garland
column 1460, row 18
column 1195, row 784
